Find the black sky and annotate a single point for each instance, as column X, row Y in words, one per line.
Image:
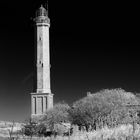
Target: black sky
column 93, row 46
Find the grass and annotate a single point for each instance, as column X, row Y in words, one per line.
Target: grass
column 2, row 138
column 122, row 132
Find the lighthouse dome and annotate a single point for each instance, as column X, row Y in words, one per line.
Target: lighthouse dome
column 41, row 12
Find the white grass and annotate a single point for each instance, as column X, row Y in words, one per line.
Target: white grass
column 122, row 131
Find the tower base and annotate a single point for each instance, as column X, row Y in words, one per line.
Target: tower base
column 40, row 103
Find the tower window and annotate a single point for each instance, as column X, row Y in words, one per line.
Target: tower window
column 40, row 62
column 35, row 105
column 42, row 105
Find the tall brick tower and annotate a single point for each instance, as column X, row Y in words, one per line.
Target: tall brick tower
column 41, row 98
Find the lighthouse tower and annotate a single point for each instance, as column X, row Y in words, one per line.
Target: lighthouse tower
column 41, row 98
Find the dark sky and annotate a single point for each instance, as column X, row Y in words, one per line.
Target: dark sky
column 92, row 48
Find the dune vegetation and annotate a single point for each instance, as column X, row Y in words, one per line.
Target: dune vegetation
column 109, row 114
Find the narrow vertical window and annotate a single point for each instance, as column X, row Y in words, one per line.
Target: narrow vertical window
column 46, row 104
column 35, row 104
column 42, row 104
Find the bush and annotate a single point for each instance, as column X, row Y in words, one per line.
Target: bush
column 30, row 129
column 58, row 114
column 62, row 128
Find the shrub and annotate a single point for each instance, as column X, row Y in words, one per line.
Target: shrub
column 58, row 114
column 30, row 129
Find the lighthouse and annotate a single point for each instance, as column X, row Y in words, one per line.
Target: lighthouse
column 41, row 98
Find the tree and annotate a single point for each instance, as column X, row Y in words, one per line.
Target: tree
column 97, row 107
column 58, row 114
